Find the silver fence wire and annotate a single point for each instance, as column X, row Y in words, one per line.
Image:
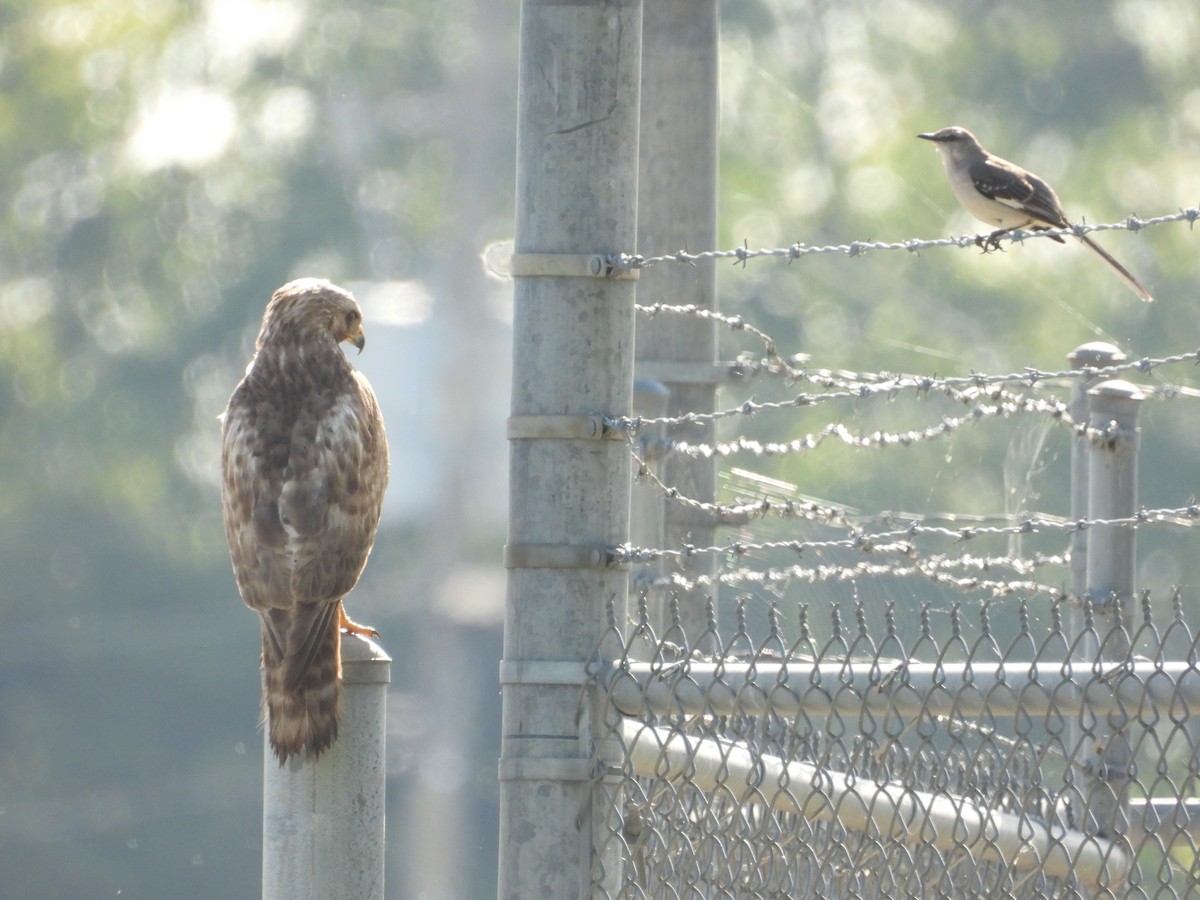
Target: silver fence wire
column 866, row 758
column 856, row 249
column 949, row 715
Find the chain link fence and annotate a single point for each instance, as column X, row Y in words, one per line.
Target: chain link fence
column 1008, row 738
column 858, row 762
column 722, row 688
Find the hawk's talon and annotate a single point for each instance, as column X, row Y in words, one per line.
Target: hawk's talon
column 348, row 625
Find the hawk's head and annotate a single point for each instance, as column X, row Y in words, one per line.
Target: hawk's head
column 312, row 309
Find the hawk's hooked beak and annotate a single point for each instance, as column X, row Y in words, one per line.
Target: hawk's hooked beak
column 359, row 340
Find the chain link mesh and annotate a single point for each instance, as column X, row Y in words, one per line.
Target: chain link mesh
column 894, row 704
column 839, row 765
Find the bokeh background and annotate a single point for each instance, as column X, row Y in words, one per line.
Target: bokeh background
column 165, row 165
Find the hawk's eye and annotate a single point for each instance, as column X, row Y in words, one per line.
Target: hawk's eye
column 352, row 318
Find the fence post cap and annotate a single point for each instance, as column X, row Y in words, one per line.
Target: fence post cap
column 1096, row 354
column 364, row 661
column 1117, row 390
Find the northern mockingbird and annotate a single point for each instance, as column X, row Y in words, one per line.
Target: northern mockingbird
column 1000, row 193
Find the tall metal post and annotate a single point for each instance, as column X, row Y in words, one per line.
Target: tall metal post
column 647, row 502
column 677, row 177
column 1112, row 494
column 323, row 820
column 1085, row 648
column 568, row 481
column 1093, row 355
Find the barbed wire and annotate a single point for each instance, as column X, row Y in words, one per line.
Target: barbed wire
column 900, row 541
column 763, row 506
column 962, row 388
column 936, row 569
column 742, row 255
column 840, row 544
column 1011, row 405
column 820, row 512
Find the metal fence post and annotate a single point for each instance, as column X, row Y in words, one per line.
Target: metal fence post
column 647, row 504
column 323, row 821
column 1093, row 355
column 576, row 201
column 677, row 179
column 1112, row 494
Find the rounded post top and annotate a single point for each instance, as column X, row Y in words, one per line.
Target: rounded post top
column 364, row 661
column 1115, row 401
column 1117, row 389
column 1096, row 354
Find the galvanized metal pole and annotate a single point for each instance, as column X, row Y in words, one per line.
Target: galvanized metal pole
column 1112, row 494
column 1094, row 355
column 323, row 821
column 647, row 502
column 568, row 479
column 1086, row 646
column 677, row 177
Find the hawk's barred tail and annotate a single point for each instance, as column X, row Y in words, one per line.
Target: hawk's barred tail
column 304, row 703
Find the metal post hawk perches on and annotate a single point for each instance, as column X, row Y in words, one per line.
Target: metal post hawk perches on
column 323, row 820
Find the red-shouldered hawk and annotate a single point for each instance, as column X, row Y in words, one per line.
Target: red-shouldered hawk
column 304, row 464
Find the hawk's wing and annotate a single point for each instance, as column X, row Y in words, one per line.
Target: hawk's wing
column 303, row 494
column 331, row 490
column 303, row 487
column 329, row 505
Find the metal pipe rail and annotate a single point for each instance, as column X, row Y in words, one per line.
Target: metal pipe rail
column 905, row 688
column 949, row 823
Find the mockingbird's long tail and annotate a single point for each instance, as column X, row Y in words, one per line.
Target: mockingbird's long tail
column 1121, row 270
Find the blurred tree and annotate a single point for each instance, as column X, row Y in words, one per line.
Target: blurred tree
column 164, row 165
column 821, row 104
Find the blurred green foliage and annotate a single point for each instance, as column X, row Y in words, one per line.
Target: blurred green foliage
column 165, row 165
column 821, row 104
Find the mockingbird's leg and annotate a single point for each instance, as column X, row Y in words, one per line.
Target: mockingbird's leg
column 989, row 242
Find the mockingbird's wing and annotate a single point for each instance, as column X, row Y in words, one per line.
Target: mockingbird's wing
column 999, row 180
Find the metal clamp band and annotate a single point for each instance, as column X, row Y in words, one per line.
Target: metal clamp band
column 560, row 428
column 544, row 768
column 682, row 372
column 545, row 672
column 555, row 556
column 568, row 265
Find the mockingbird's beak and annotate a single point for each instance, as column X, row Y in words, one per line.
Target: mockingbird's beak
column 929, row 136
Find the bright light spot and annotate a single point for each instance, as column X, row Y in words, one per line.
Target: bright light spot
column 1166, row 31
column 71, row 25
column 187, row 126
column 241, row 31
column 396, row 303
column 286, row 117
column 807, row 188
column 24, row 301
column 873, row 190
column 759, row 228
column 497, row 259
column 922, row 26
